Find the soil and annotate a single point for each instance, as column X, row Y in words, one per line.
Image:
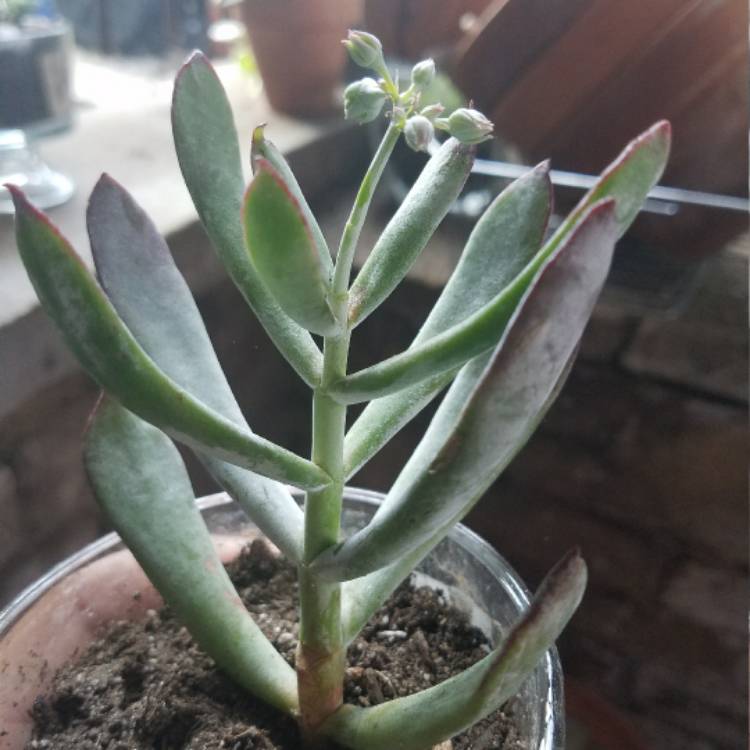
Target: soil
column 147, row 686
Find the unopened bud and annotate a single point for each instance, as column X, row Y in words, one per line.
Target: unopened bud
column 469, row 126
column 432, row 111
column 418, row 132
column 365, row 49
column 423, row 74
column 363, row 100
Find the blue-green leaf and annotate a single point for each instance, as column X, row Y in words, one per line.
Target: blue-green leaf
column 143, row 283
column 107, row 350
column 209, row 154
column 284, row 252
column 486, row 418
column 501, row 244
column 427, row 718
column 410, row 228
column 142, row 485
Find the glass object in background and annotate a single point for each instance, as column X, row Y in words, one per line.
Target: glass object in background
column 35, row 53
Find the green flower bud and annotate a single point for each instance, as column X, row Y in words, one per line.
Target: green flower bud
column 432, row 111
column 418, row 133
column 363, row 100
column 365, row 49
column 469, row 126
column 423, row 74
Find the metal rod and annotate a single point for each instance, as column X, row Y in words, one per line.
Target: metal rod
column 661, row 199
column 678, row 196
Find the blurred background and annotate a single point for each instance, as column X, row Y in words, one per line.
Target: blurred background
column 642, row 462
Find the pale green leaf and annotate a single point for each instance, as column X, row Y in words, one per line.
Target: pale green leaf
column 140, row 278
column 411, row 227
column 208, row 151
column 364, row 595
column 284, row 253
column 142, row 485
column 107, row 350
column 501, row 244
column 485, row 420
column 426, row 718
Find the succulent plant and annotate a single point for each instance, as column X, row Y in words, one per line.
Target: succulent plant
column 501, row 339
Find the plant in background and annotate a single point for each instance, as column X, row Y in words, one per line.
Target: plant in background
column 12, row 11
column 501, row 338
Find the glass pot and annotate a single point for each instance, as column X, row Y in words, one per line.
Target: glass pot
column 50, row 621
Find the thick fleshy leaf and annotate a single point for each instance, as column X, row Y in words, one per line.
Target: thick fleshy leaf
column 483, row 422
column 411, row 227
column 108, row 352
column 143, row 283
column 208, row 151
column 426, row 718
column 284, row 253
column 262, row 148
column 363, row 596
column 501, row 244
column 627, row 179
column 443, row 353
column 142, row 485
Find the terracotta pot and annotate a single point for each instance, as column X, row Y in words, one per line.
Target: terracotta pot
column 54, row 619
column 297, row 45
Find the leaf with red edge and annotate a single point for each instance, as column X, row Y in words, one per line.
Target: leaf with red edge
column 284, row 253
column 486, row 417
column 263, row 148
column 426, row 718
column 208, row 150
column 108, row 351
column 140, row 278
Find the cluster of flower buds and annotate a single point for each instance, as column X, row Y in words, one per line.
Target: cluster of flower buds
column 364, row 99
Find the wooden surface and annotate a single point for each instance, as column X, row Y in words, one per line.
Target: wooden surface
column 411, row 29
column 576, row 80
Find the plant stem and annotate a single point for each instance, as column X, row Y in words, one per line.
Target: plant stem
column 321, row 655
column 350, row 236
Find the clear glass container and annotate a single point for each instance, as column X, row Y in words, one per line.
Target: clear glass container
column 35, row 101
column 471, row 574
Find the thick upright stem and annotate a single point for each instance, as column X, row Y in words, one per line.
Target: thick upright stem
column 321, row 655
column 322, row 651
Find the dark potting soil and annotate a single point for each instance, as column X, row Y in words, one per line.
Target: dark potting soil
column 147, row 686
